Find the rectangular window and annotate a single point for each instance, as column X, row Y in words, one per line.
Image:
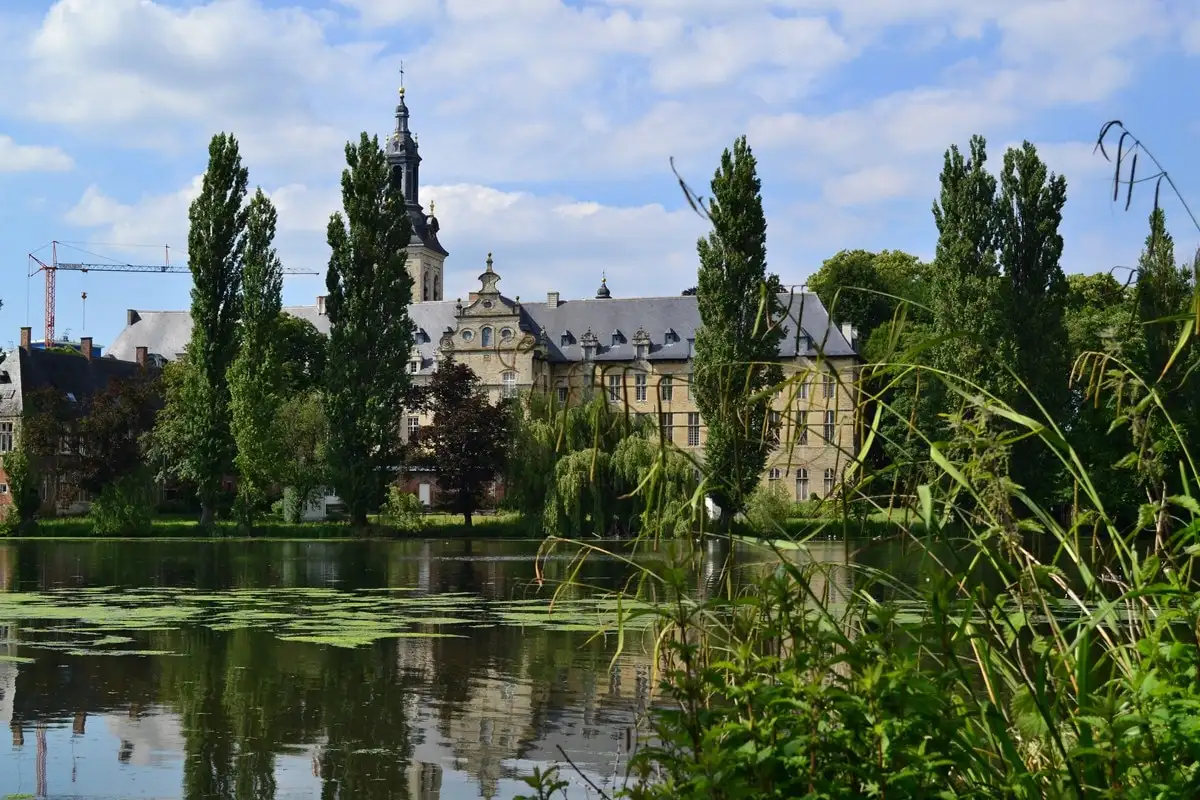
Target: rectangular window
column 804, row 388
column 691, row 379
column 693, row 429
column 802, row 427
column 827, row 385
column 773, row 477
column 614, row 388
column 666, row 388
column 414, row 366
column 562, row 394
column 6, row 437
column 666, row 423
column 828, row 482
column 414, row 428
column 830, row 428
column 639, row 387
column 66, row 445
column 774, row 425
column 802, row 490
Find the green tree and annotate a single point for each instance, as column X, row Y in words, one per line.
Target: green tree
column 371, row 335
column 595, row 468
column 301, row 354
column 966, row 291
column 1163, row 296
column 1028, row 215
column 1099, row 316
column 216, row 248
column 255, row 376
column 304, row 433
column 467, row 444
column 737, row 345
column 853, row 290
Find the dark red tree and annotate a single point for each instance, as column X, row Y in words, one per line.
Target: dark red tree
column 467, row 444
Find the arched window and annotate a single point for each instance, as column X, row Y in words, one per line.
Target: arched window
column 486, row 341
column 425, row 296
column 508, row 382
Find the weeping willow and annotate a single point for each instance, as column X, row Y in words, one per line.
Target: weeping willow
column 595, row 468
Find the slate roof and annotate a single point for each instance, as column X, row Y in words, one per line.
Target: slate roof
column 25, row 371
column 671, row 323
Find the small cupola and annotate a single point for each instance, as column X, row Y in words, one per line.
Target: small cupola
column 603, row 293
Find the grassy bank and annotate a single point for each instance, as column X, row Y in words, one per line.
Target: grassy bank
column 433, row 526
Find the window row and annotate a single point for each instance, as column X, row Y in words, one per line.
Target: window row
column 803, row 491
column 828, row 427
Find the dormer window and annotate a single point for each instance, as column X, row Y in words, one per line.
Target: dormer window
column 414, row 366
column 564, row 339
column 641, row 352
column 670, row 336
column 616, row 338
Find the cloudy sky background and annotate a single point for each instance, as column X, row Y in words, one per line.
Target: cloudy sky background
column 547, row 126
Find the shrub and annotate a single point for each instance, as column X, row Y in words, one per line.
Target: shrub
column 122, row 508
column 23, row 489
column 402, row 510
column 768, row 509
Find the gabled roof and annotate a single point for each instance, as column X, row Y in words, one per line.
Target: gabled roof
column 73, row 376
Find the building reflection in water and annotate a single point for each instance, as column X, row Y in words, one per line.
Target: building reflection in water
column 244, row 714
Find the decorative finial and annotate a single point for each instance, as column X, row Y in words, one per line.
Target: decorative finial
column 402, row 78
column 489, row 262
column 432, row 205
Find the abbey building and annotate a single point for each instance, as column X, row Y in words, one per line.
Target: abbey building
column 637, row 350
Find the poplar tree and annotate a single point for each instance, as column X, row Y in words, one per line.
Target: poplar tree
column 371, row 336
column 737, row 345
column 216, row 248
column 966, row 290
column 255, row 376
column 1028, row 215
column 1164, row 293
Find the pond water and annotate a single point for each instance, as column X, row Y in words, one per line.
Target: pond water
column 334, row 669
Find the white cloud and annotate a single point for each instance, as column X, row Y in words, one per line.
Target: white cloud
column 869, row 185
column 32, row 158
column 385, row 13
column 539, row 242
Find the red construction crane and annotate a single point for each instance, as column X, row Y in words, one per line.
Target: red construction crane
column 52, row 267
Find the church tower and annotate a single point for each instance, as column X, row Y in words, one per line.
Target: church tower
column 426, row 256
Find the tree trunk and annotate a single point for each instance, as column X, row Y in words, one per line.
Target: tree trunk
column 358, row 520
column 207, row 515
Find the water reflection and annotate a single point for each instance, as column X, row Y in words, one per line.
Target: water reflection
column 243, row 714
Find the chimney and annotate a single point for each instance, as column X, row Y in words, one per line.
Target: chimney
column 552, row 299
column 321, row 305
column 140, row 356
column 26, row 338
column 848, row 333
column 85, row 347
column 131, row 317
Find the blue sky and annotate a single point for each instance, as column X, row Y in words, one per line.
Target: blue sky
column 547, row 126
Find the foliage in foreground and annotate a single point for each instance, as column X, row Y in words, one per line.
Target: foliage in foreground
column 1045, row 648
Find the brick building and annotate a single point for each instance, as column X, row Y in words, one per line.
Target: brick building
column 73, row 376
